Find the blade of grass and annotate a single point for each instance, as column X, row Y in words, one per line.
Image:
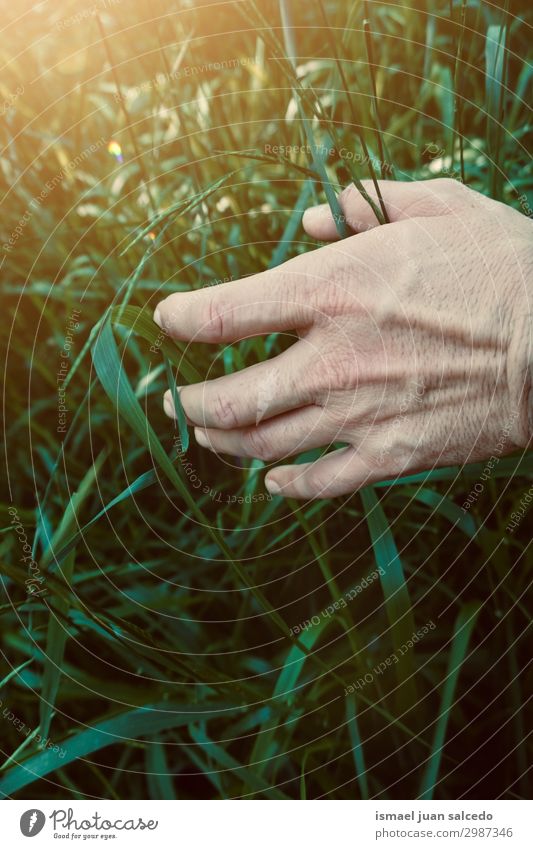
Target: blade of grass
column 157, row 772
column 458, row 98
column 142, row 482
column 315, row 109
column 118, row 389
column 318, row 157
column 507, row 467
column 56, row 640
column 292, row 227
column 358, row 129
column 14, row 756
column 444, row 507
column 180, row 414
column 375, row 99
column 130, row 725
column 14, row 672
column 397, row 601
column 357, row 747
column 496, row 56
column 139, row 320
column 464, row 625
column 264, row 746
column 70, row 516
column 227, row 762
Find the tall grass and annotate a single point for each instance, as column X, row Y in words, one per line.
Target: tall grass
column 190, row 640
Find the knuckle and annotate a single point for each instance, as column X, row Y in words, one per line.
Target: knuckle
column 446, row 184
column 353, row 206
column 295, row 282
column 437, row 197
column 338, row 370
column 349, row 202
column 316, row 482
column 398, row 451
column 342, row 372
column 334, row 292
column 329, row 295
column 348, row 193
column 224, row 412
column 216, row 320
column 452, row 192
column 258, row 445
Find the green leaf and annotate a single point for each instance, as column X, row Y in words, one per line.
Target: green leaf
column 443, row 506
column 227, row 762
column 397, row 601
column 56, row 639
column 158, row 775
column 181, row 208
column 494, row 71
column 507, row 467
column 264, row 746
column 496, row 57
column 180, row 414
column 142, row 482
column 357, row 747
column 293, row 225
column 70, row 518
column 117, row 387
column 14, row 672
column 139, row 320
column 119, row 729
column 464, row 625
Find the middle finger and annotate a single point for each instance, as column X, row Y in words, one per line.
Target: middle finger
column 251, row 395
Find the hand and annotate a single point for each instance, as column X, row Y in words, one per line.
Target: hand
column 413, row 343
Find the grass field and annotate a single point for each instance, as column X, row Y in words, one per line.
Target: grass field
column 169, row 630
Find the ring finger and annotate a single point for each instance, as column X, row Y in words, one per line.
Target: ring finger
column 247, row 397
column 275, row 438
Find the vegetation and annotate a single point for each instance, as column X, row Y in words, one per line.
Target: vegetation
column 168, row 629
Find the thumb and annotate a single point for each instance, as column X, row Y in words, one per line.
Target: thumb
column 418, row 198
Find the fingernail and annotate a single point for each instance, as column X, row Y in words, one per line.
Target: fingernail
column 157, row 318
column 315, row 213
column 168, row 407
column 201, row 438
column 273, row 487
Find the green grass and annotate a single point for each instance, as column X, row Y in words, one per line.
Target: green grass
column 168, row 656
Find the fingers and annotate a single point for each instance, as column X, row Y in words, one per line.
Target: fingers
column 273, row 439
column 338, row 473
column 420, row 198
column 383, row 452
column 274, row 300
column 247, row 397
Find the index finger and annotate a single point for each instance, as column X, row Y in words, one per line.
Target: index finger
column 273, row 300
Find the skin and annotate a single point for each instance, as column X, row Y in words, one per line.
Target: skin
column 412, row 343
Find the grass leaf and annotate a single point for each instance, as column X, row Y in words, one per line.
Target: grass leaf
column 56, row 639
column 357, row 746
column 119, row 729
column 464, row 625
column 397, row 601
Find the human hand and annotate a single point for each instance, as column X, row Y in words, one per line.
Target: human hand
column 413, row 343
